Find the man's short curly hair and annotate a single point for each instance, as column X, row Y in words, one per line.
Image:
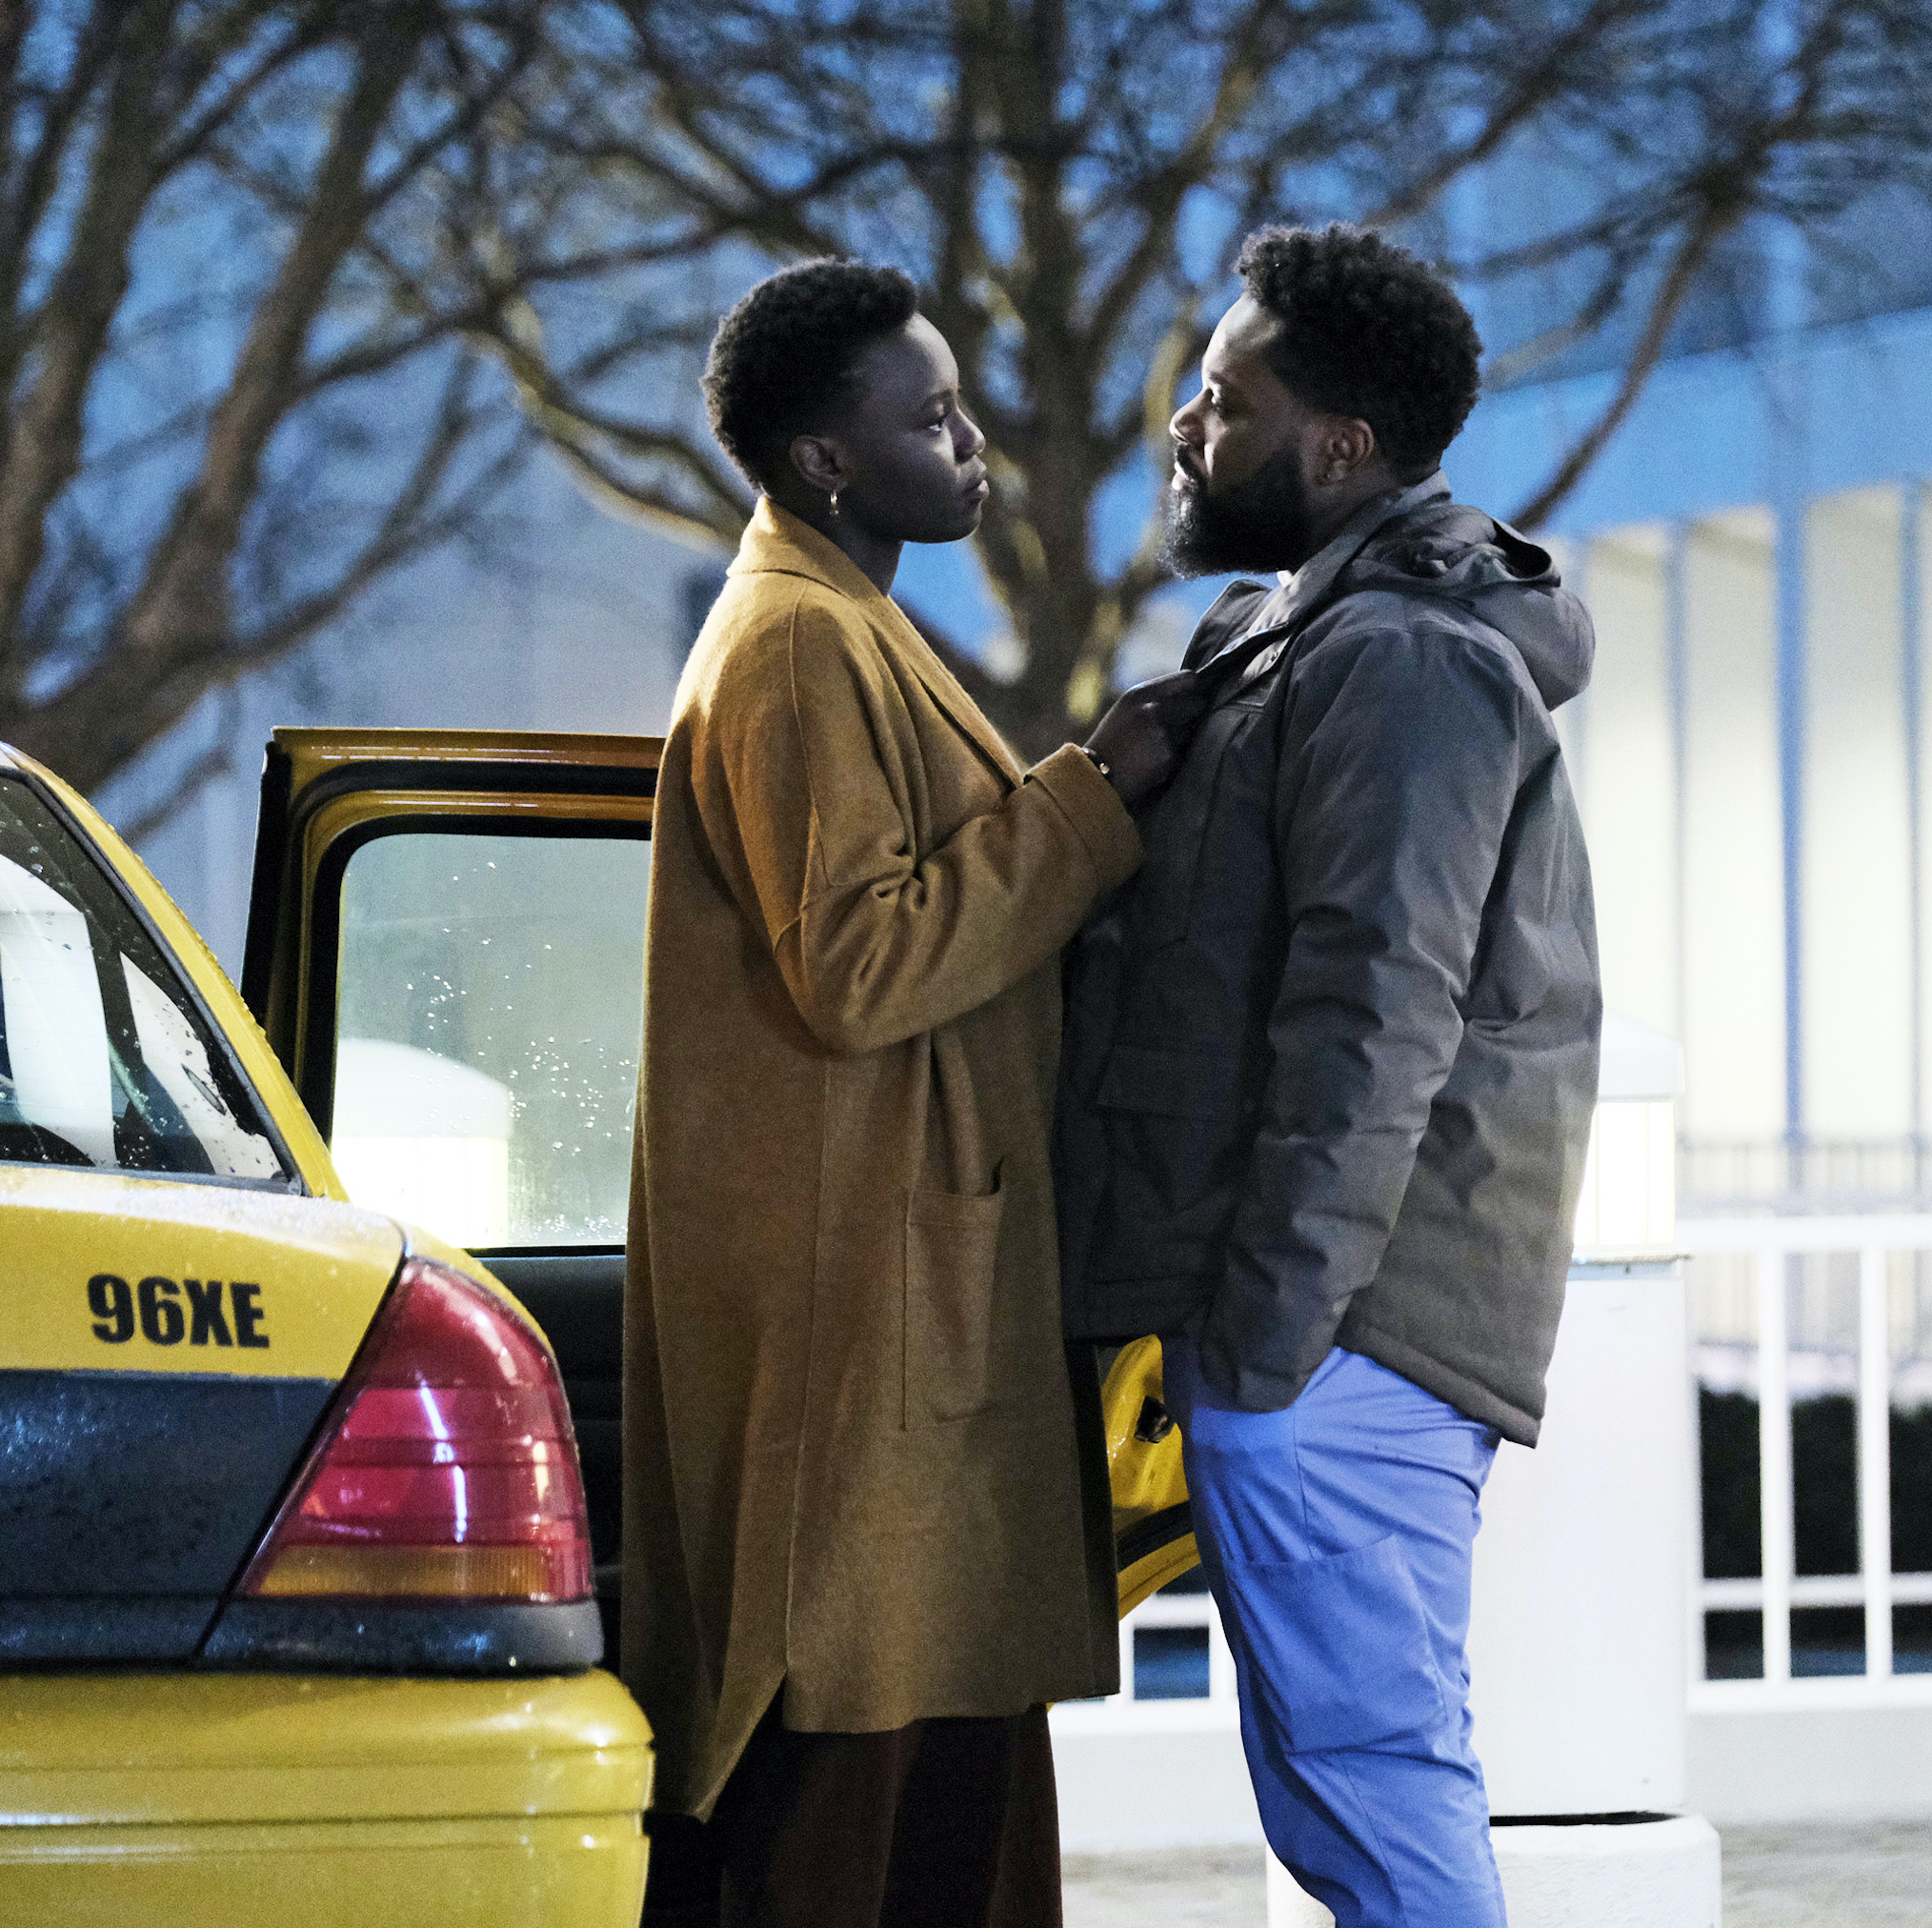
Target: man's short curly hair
column 1370, row 331
column 784, row 353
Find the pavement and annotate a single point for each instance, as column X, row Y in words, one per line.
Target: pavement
column 1875, row 1876
column 1174, row 1888
column 1816, row 1875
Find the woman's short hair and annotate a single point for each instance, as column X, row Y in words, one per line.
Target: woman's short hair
column 783, row 355
column 1367, row 330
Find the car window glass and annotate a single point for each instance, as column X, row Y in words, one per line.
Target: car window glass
column 105, row 1057
column 490, row 1003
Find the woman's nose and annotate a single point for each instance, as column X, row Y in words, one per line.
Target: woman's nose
column 972, row 441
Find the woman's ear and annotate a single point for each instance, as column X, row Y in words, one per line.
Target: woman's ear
column 819, row 462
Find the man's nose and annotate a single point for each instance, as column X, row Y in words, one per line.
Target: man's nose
column 1184, row 425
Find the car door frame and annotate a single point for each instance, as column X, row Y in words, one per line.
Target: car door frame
column 326, row 793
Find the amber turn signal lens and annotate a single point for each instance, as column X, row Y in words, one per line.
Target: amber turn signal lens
column 439, row 1572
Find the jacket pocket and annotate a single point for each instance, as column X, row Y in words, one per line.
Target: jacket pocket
column 1176, row 1129
column 1169, row 1084
column 955, row 1365
column 1338, row 1649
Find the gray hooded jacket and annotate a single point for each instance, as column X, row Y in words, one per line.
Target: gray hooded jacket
column 1331, row 1057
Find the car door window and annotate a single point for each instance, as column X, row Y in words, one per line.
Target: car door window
column 490, row 994
column 105, row 1057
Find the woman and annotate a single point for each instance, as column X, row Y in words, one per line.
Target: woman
column 862, row 1545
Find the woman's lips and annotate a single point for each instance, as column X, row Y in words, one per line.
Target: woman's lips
column 977, row 492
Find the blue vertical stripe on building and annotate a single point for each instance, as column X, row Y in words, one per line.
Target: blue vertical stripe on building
column 1911, row 673
column 1676, row 690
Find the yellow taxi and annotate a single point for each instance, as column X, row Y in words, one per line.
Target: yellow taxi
column 308, row 1521
column 296, row 1588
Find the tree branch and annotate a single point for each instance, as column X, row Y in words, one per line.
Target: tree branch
column 1243, row 72
column 40, row 174
column 213, row 763
column 43, row 453
column 579, row 433
column 97, row 724
column 1553, row 72
column 1715, row 220
column 186, row 580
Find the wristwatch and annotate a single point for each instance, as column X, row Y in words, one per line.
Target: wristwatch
column 1099, row 761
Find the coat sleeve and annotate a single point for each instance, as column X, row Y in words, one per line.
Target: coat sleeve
column 1399, row 774
column 876, row 940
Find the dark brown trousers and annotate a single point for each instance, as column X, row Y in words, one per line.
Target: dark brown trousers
column 940, row 1824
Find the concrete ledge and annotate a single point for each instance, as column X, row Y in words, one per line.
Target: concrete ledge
column 1123, row 1792
column 1811, row 1764
column 1749, row 1766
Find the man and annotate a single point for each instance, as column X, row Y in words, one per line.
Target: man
column 1331, row 1057
column 861, row 1547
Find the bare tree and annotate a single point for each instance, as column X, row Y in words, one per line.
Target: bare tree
column 257, row 264
column 1069, row 180
column 287, row 292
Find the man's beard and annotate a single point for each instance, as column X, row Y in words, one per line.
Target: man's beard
column 1258, row 523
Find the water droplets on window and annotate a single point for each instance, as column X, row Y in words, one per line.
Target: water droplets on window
column 488, row 1016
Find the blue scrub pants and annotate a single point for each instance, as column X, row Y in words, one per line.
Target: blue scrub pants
column 1337, row 1536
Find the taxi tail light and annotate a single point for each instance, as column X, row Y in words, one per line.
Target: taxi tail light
column 448, row 1469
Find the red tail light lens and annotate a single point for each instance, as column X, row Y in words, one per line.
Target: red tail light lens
column 450, row 1471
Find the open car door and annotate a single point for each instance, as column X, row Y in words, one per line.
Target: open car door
column 1154, row 1538
column 445, row 948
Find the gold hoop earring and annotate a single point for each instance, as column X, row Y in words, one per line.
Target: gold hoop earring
column 835, row 502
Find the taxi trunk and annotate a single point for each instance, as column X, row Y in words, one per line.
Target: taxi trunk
column 180, row 1800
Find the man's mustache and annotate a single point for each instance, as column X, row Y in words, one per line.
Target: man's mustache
column 1186, row 467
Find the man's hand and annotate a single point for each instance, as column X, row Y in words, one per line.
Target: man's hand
column 1141, row 737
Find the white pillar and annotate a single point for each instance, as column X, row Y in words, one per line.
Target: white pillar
column 1578, row 1638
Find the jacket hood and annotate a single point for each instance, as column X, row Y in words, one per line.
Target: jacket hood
column 1444, row 550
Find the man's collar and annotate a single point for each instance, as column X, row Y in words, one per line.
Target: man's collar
column 1313, row 579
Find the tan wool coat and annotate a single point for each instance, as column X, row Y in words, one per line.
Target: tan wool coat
column 853, row 1469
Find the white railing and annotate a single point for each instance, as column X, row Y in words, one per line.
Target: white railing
column 1769, row 1243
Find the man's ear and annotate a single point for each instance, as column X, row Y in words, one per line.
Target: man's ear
column 820, row 462
column 1346, row 447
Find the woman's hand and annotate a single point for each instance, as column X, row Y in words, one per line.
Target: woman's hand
column 1142, row 736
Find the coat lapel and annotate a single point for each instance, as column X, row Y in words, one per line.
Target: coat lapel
column 776, row 541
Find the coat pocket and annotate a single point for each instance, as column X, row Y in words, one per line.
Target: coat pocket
column 955, row 1364
column 1338, row 1649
